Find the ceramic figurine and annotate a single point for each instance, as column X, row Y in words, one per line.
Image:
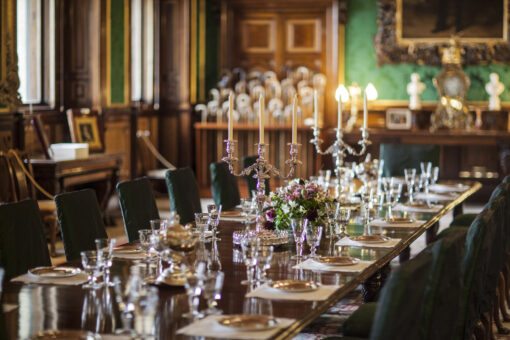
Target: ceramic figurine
column 414, row 89
column 494, row 88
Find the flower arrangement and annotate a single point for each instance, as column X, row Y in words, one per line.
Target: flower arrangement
column 300, row 199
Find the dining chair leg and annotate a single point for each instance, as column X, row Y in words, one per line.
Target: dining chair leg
column 431, row 233
column 52, row 221
column 507, row 280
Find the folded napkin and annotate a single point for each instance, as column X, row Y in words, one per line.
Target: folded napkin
column 384, row 224
column 433, row 197
column 266, row 292
column 75, row 280
column 448, row 187
column 392, row 242
column 8, row 307
column 210, row 328
column 431, row 209
column 312, row 265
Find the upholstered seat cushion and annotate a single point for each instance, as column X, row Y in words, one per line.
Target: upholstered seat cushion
column 463, row 220
column 183, row 192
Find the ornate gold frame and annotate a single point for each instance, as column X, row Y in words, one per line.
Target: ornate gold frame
column 392, row 48
column 9, row 80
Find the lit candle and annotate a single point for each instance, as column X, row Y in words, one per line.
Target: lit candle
column 365, row 115
column 315, row 109
column 294, row 121
column 339, row 123
column 230, row 117
column 261, row 119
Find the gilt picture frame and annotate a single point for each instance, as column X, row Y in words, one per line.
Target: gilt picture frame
column 85, row 126
column 415, row 32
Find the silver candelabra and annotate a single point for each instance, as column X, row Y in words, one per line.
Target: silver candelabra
column 263, row 170
column 339, row 149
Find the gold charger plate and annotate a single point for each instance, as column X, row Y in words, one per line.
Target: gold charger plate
column 64, row 334
column 54, row 272
column 337, row 260
column 398, row 220
column 370, row 239
column 249, row 322
column 294, row 286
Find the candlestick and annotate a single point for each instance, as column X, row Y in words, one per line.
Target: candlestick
column 294, row 120
column 315, row 109
column 339, row 123
column 230, row 117
column 261, row 119
column 365, row 115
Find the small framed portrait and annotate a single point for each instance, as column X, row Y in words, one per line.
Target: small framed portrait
column 398, row 119
column 84, row 126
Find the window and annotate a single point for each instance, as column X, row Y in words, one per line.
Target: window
column 142, row 50
column 35, row 32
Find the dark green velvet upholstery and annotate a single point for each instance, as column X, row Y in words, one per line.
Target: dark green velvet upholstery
column 138, row 205
column 184, row 195
column 479, row 275
column 80, row 221
column 398, row 311
column 463, row 220
column 22, row 242
column 3, row 327
column 252, row 182
column 360, row 322
column 225, row 190
column 443, row 290
column 398, row 157
column 506, row 179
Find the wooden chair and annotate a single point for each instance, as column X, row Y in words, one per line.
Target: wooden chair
column 17, row 166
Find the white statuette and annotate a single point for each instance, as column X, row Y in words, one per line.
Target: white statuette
column 414, row 90
column 494, row 88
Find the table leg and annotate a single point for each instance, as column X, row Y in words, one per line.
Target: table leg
column 372, row 286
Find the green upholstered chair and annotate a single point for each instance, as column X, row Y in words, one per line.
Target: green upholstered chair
column 252, row 182
column 22, row 241
column 3, row 328
column 398, row 157
column 138, row 205
column 184, row 195
column 225, row 190
column 398, row 312
column 80, row 221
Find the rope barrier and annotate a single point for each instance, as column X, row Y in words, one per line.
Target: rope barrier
column 29, row 175
column 144, row 136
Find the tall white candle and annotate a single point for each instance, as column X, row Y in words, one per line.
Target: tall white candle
column 261, row 119
column 365, row 115
column 294, row 121
column 315, row 109
column 339, row 123
column 230, row 117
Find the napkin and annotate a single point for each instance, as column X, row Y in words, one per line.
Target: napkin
column 431, row 209
column 392, row 242
column 266, row 292
column 433, row 197
column 442, row 188
column 312, row 265
column 208, row 327
column 384, row 224
column 75, row 280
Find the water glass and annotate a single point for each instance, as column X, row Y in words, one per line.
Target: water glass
column 426, row 172
column 92, row 312
column 93, row 263
column 298, row 226
column 342, row 217
column 214, row 219
column 410, row 178
column 313, row 238
column 193, row 286
column 102, row 244
column 126, row 293
column 248, row 248
column 257, row 306
column 145, row 241
column 145, row 306
column 264, row 255
column 201, row 224
column 435, row 175
column 158, row 224
column 213, row 283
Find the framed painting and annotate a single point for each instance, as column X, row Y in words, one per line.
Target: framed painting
column 9, row 80
column 85, row 126
column 412, row 31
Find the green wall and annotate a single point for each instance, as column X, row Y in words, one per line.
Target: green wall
column 391, row 80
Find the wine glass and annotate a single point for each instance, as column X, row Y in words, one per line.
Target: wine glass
column 158, row 224
column 298, row 226
column 410, row 178
column 248, row 248
column 214, row 212
column 342, row 217
column 213, row 283
column 426, row 172
column 435, row 175
column 145, row 306
column 92, row 312
column 93, row 263
column 257, row 306
column 125, row 295
column 330, row 213
column 201, row 224
column 145, row 241
column 393, row 195
column 264, row 255
column 313, row 238
column 193, row 285
column 102, row 244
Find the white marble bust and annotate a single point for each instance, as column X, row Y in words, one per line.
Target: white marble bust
column 494, row 88
column 414, row 89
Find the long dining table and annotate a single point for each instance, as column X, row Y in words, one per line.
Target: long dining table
column 34, row 308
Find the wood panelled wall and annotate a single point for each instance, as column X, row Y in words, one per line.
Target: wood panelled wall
column 93, row 71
